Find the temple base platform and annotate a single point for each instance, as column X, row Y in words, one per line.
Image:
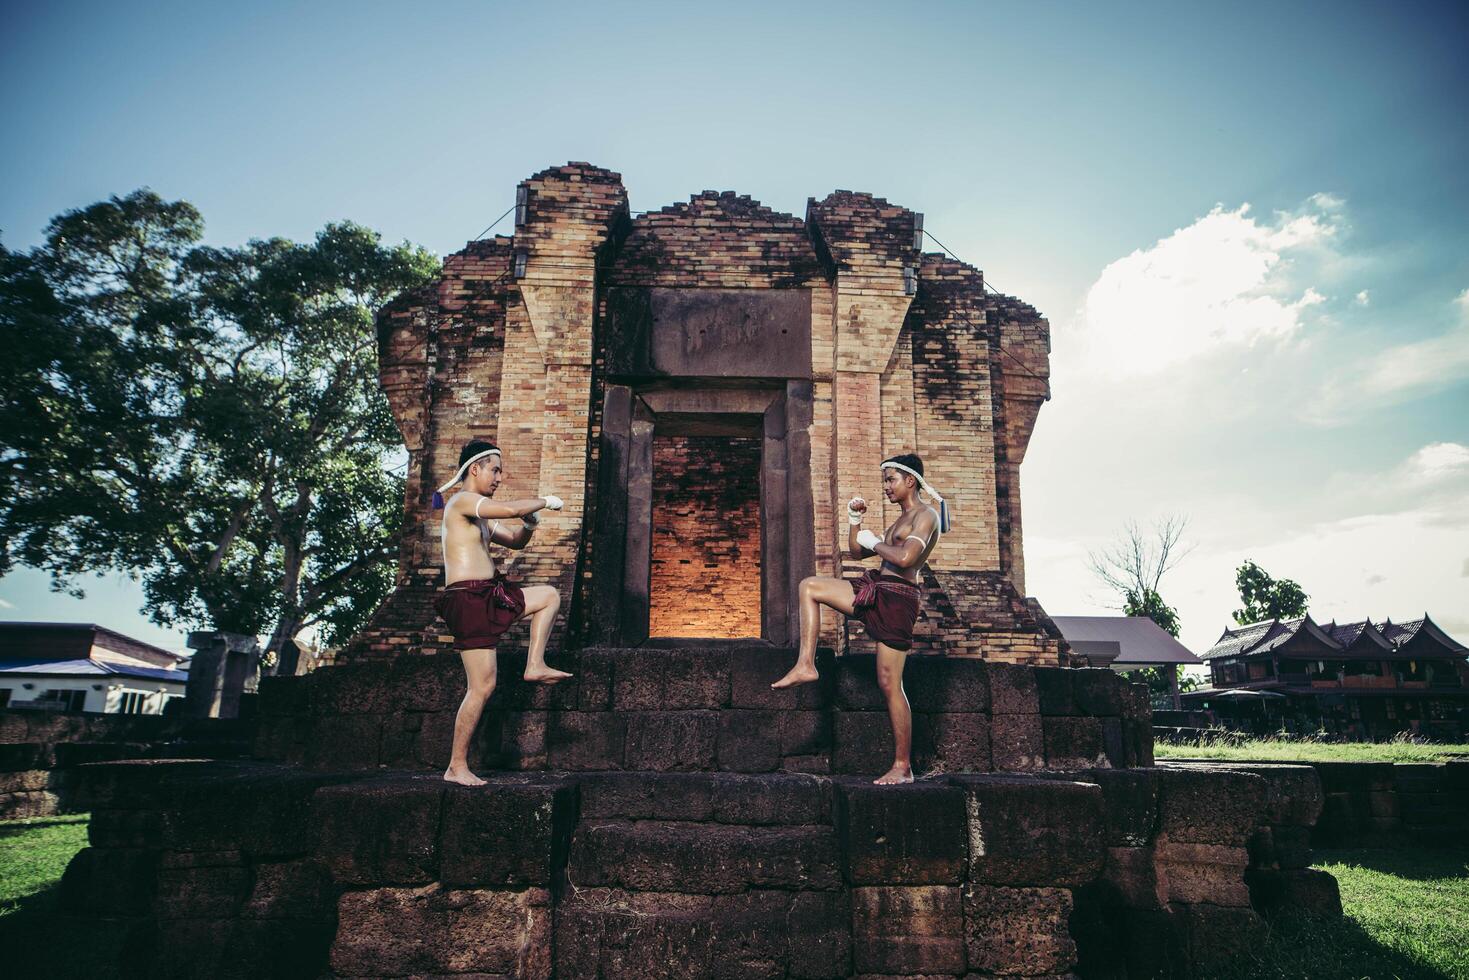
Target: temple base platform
column 669, row 819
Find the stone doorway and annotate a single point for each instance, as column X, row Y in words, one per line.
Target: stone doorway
column 704, row 512
column 705, row 574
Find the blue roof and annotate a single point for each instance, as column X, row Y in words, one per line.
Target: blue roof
column 90, row 668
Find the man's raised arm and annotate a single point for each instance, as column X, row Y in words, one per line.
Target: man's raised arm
column 476, row 505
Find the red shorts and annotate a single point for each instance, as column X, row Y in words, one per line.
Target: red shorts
column 887, row 606
column 479, row 611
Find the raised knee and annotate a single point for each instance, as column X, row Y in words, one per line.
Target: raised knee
column 807, row 584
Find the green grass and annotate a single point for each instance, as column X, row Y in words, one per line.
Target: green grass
column 34, row 853
column 1406, row 917
column 1256, row 749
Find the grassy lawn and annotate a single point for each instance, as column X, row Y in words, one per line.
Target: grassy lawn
column 1309, row 750
column 1407, row 917
column 33, row 853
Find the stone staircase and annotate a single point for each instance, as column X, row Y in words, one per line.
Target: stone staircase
column 656, row 825
column 707, row 708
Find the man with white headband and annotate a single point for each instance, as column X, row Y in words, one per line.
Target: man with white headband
column 884, row 600
column 480, row 606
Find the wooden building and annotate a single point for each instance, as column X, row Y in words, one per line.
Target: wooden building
column 1360, row 679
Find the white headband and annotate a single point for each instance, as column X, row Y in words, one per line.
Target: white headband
column 438, row 500
column 945, row 522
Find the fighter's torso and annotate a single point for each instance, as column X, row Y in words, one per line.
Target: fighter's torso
column 466, row 543
column 905, row 525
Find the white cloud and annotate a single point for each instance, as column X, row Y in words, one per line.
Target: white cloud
column 1397, row 374
column 6, row 605
column 1437, row 461
column 1363, row 298
column 1222, row 282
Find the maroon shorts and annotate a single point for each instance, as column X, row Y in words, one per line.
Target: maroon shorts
column 887, row 606
column 480, row 610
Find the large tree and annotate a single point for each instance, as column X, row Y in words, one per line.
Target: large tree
column 205, row 419
column 1265, row 597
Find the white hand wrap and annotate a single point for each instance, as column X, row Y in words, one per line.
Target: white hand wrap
column 855, row 516
column 868, row 540
column 553, row 502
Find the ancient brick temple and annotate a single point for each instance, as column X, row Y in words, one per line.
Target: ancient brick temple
column 705, row 385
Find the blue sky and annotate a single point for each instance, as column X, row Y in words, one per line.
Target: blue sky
column 1293, row 376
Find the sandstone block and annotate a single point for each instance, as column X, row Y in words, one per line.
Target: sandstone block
column 1209, row 806
column 953, row 742
column 702, row 858
column 585, row 739
column 1018, row 931
column 1054, row 690
column 754, row 670
column 299, row 889
column 908, row 929
column 901, row 835
column 1013, row 690
column 749, row 741
column 402, row 931
column 381, row 831
column 671, row 680
column 505, row 834
column 110, row 881
column 1203, row 873
column 671, row 741
column 1032, row 831
column 1017, row 742
column 1073, row 743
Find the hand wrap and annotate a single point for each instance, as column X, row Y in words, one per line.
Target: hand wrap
column 868, row 540
column 553, row 502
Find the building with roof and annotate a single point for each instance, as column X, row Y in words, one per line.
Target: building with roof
column 1125, row 644
column 1360, row 679
column 86, row 667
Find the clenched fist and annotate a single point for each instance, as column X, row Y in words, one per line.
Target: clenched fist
column 856, row 510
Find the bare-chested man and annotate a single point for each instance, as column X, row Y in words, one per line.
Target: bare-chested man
column 479, row 606
column 885, row 601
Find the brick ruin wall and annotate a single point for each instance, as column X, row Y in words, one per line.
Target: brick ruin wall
column 954, row 373
column 706, row 537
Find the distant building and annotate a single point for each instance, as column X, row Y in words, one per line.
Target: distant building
column 1359, row 679
column 1125, row 644
column 85, row 667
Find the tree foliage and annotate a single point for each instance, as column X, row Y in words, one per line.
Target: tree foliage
column 1151, row 605
column 1265, row 597
column 205, row 419
column 1134, row 564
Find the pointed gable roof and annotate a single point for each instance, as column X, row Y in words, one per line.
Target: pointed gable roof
column 1361, row 632
column 1420, row 633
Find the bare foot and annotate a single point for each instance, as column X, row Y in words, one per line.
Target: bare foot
column 544, row 675
column 897, row 774
column 462, row 776
column 797, row 675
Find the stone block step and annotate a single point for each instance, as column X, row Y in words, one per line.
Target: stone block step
column 702, row 858
column 705, row 709
column 725, row 798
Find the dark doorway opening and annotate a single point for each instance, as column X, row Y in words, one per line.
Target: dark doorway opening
column 705, row 570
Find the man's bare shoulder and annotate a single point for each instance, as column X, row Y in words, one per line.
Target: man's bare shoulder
column 463, row 504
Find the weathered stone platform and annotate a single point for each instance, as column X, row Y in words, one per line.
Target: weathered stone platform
column 250, row 869
column 595, row 860
column 706, row 708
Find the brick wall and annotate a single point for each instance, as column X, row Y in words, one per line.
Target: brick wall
column 706, row 537
column 953, row 373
